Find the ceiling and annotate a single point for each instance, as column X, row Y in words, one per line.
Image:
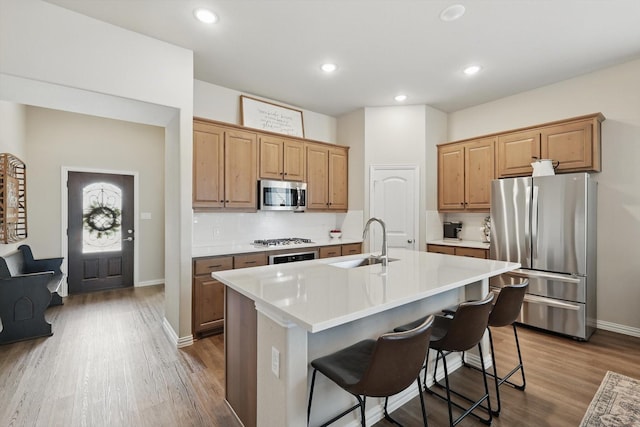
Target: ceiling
column 274, row 48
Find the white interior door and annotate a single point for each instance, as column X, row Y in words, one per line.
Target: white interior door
column 394, row 198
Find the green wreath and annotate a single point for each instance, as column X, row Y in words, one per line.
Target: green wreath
column 102, row 220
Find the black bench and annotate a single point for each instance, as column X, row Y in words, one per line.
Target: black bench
column 27, row 287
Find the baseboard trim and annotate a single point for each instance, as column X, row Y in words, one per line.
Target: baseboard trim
column 620, row 329
column 150, row 283
column 173, row 337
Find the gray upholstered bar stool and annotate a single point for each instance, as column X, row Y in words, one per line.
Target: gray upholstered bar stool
column 505, row 312
column 461, row 332
column 377, row 368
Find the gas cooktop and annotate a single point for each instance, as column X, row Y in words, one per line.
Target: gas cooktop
column 281, row 242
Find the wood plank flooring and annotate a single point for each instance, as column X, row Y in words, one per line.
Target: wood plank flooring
column 110, row 364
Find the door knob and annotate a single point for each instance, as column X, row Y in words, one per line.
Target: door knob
column 410, row 241
column 128, row 239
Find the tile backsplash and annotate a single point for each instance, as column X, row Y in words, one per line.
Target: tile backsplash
column 223, row 228
column 472, row 224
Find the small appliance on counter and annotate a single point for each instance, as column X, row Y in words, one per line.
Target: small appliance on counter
column 452, row 230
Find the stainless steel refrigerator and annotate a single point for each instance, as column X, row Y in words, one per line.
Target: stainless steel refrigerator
column 548, row 224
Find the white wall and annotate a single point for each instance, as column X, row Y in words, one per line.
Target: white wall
column 351, row 132
column 57, row 139
column 396, row 136
column 614, row 92
column 222, row 104
column 49, row 55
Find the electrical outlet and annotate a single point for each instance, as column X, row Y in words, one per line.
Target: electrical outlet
column 275, row 362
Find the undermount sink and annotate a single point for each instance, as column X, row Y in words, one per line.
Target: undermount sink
column 360, row 262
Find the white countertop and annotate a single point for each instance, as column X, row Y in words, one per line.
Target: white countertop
column 462, row 243
column 228, row 248
column 317, row 295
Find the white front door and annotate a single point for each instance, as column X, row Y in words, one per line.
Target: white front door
column 394, row 198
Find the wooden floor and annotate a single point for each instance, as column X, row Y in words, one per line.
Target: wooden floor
column 110, row 364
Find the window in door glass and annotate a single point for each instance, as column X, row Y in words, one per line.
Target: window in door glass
column 101, row 217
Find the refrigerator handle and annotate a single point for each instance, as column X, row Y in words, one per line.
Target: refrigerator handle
column 534, row 223
column 527, row 216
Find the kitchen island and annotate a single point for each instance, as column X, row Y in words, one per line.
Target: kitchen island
column 280, row 317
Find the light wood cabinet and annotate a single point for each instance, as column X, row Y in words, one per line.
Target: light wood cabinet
column 208, row 294
column 224, row 167
column 327, row 177
column 281, row 159
column 330, row 251
column 352, row 249
column 459, row 250
column 574, row 143
column 516, row 151
column 249, row 260
column 465, row 172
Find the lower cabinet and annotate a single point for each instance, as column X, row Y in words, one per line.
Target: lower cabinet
column 340, row 250
column 459, row 250
column 208, row 293
column 352, row 249
column 330, row 251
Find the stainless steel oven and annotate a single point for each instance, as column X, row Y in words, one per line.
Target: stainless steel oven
column 292, row 257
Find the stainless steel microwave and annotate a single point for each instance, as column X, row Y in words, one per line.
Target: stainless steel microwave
column 282, row 196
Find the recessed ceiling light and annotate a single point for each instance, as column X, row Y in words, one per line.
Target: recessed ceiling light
column 471, row 70
column 329, row 68
column 206, row 16
column 452, row 13
column 400, row 98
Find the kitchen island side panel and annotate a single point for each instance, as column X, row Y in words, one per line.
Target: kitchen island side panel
column 240, row 346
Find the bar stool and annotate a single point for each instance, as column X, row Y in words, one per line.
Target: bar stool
column 505, row 312
column 461, row 332
column 377, row 368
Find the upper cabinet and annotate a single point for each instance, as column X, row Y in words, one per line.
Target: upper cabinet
column 224, row 167
column 281, row 158
column 327, row 177
column 465, row 172
column 574, row 143
column 516, row 151
column 466, row 168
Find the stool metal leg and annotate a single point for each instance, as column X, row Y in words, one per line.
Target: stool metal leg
column 475, row 403
column 313, row 383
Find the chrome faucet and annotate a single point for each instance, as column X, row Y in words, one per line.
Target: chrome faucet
column 383, row 254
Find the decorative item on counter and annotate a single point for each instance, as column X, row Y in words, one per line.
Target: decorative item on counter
column 335, row 233
column 486, row 230
column 544, row 167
